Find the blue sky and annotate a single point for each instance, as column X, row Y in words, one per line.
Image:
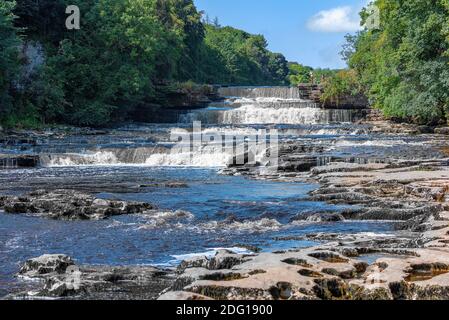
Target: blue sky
column 307, row 31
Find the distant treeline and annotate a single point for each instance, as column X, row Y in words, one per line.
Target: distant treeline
column 128, row 53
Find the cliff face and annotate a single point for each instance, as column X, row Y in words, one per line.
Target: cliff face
column 314, row 92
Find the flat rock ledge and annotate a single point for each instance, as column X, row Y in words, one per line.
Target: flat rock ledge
column 69, row 205
column 412, row 264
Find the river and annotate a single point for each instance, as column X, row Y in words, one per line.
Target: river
column 215, row 210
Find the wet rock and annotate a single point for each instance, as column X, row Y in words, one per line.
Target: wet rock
column 222, row 276
column 18, row 161
column 310, row 273
column 46, row 264
column 442, row 130
column 63, row 279
column 71, row 205
column 283, row 290
column 225, row 260
column 325, row 217
column 297, row 262
column 330, row 289
column 426, row 271
column 328, row 257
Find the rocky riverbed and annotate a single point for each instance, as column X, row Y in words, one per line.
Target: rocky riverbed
column 412, row 263
column 349, row 267
column 357, row 209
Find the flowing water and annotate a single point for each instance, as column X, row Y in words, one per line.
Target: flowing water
column 136, row 162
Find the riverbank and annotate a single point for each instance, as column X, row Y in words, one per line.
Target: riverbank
column 360, row 266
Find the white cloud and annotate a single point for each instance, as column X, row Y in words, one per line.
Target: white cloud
column 340, row 19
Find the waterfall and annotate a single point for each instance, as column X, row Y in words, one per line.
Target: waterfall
column 157, row 156
column 118, row 156
column 244, row 106
column 253, row 111
column 261, row 92
column 79, row 159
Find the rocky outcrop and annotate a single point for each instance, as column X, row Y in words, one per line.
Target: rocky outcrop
column 442, row 130
column 69, row 205
column 314, row 92
column 350, row 267
column 45, row 265
column 18, row 161
column 62, row 278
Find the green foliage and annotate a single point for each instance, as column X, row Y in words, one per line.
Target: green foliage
column 303, row 74
column 8, row 57
column 341, row 84
column 232, row 56
column 299, row 73
column 404, row 66
column 128, row 53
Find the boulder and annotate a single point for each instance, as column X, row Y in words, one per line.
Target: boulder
column 45, row 265
column 18, row 161
column 61, row 278
column 325, row 217
column 442, row 130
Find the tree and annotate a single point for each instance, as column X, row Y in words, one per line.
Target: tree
column 299, row 73
column 404, row 67
column 341, row 84
column 236, row 57
column 9, row 42
column 128, row 54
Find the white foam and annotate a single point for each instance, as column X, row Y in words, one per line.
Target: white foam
column 210, row 253
column 262, row 225
column 187, row 159
column 268, row 100
column 76, row 159
column 375, row 143
column 156, row 219
column 252, row 114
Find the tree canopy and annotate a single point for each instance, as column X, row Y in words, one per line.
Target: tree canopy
column 127, row 54
column 404, row 65
column 8, row 55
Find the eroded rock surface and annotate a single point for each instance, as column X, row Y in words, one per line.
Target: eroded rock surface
column 61, row 278
column 69, row 205
column 411, row 264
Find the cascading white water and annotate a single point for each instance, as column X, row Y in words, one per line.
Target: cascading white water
column 244, row 106
column 81, row 159
column 151, row 157
column 251, row 114
column 261, row 92
column 199, row 158
column 274, row 110
column 118, row 156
